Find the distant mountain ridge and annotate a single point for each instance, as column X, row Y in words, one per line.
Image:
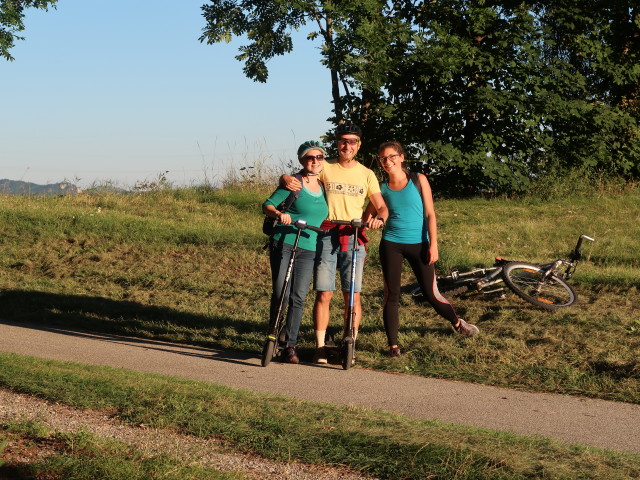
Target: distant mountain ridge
column 18, row 187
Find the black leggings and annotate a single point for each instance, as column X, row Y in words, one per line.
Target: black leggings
column 391, row 256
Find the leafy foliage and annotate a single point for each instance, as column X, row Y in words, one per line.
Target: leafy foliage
column 11, row 21
column 269, row 27
column 485, row 94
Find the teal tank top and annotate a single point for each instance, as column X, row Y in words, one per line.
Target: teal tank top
column 406, row 222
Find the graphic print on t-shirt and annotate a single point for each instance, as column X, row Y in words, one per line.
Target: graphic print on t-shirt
column 344, row 189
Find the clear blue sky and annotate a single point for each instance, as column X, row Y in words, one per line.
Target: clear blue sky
column 121, row 90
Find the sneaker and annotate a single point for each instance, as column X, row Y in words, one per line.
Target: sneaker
column 289, row 355
column 466, row 329
column 395, row 352
column 320, row 356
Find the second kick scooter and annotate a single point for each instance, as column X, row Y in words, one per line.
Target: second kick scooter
column 348, row 346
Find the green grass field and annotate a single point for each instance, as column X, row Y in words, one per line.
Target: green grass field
column 379, row 444
column 187, row 265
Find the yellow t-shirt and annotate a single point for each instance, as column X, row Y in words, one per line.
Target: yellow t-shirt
column 347, row 189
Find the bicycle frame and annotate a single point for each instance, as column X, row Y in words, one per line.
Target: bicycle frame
column 274, row 326
column 553, row 268
column 575, row 256
column 480, row 280
column 352, row 284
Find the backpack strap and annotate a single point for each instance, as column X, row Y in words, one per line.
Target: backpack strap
column 284, row 206
column 416, row 181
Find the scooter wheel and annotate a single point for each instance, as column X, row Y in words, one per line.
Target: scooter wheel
column 268, row 351
column 348, row 348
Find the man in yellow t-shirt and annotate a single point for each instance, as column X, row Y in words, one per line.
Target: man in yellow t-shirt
column 348, row 185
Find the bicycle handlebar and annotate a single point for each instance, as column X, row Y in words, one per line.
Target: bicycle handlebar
column 586, row 237
column 577, row 254
column 581, row 238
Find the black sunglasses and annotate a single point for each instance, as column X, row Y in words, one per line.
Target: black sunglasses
column 313, row 157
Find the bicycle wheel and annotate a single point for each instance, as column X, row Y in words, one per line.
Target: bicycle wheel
column 528, row 282
column 347, row 353
column 268, row 351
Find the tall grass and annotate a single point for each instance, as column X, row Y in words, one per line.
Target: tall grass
column 187, row 265
column 579, row 182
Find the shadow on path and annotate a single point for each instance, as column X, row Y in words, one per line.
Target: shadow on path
column 83, row 316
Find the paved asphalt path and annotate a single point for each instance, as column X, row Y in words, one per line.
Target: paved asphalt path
column 610, row 425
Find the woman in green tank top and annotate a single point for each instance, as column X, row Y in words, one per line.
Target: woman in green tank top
column 311, row 206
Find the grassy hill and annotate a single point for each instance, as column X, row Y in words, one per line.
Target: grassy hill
column 188, row 265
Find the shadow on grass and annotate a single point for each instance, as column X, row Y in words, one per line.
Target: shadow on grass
column 78, row 314
column 12, row 472
column 617, row 370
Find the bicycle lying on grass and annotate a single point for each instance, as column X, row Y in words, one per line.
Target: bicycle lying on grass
column 541, row 284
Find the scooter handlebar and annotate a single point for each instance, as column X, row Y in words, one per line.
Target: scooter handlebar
column 303, row 225
column 356, row 222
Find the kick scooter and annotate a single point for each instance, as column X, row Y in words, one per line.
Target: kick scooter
column 348, row 342
column 276, row 332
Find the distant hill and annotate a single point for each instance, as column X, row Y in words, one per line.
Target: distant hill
column 17, row 187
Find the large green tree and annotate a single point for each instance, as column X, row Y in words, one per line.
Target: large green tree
column 460, row 93
column 268, row 27
column 595, row 45
column 12, row 21
column 340, row 26
column 497, row 95
column 485, row 94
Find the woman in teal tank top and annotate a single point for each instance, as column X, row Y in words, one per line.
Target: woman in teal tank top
column 410, row 233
